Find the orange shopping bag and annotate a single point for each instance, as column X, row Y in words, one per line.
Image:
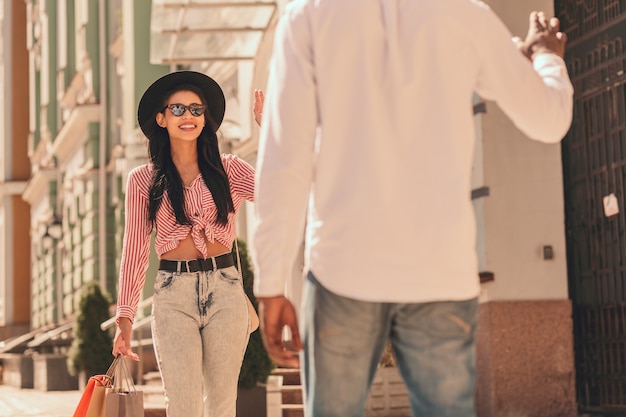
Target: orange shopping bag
column 87, row 398
column 83, row 404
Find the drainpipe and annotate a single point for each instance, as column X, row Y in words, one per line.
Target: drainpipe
column 102, row 50
column 59, row 246
column 60, row 252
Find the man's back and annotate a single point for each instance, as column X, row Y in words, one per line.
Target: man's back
column 378, row 94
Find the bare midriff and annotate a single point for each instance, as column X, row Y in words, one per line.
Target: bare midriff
column 186, row 250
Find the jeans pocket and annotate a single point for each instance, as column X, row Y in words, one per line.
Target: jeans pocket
column 452, row 319
column 229, row 274
column 163, row 281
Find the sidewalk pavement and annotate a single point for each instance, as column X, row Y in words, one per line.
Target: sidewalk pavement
column 16, row 402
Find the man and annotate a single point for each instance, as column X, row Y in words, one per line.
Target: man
column 368, row 139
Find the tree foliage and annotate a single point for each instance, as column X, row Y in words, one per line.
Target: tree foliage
column 92, row 346
column 257, row 365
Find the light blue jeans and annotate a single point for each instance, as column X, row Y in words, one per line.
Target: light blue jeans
column 343, row 338
column 200, row 332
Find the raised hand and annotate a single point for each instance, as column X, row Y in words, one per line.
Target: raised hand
column 543, row 37
column 259, row 99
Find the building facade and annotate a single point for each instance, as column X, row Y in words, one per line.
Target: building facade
column 65, row 191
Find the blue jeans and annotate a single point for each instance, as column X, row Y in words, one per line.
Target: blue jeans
column 434, row 345
column 200, row 332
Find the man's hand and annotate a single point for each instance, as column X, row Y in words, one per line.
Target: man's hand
column 275, row 314
column 121, row 343
column 543, row 37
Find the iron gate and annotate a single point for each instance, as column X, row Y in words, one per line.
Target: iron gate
column 594, row 166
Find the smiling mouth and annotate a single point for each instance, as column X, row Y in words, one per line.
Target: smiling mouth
column 187, row 126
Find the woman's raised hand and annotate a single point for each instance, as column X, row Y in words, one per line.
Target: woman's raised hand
column 259, row 98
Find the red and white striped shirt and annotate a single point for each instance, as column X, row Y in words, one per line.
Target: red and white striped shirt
column 200, row 209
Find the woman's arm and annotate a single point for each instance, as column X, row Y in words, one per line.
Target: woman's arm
column 134, row 263
column 240, row 175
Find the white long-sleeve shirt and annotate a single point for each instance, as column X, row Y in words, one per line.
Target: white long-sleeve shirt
column 368, row 140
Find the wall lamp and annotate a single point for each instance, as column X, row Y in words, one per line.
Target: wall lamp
column 55, row 228
column 54, row 231
column 47, row 241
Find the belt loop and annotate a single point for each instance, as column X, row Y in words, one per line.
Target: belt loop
column 214, row 263
column 187, row 264
column 178, row 267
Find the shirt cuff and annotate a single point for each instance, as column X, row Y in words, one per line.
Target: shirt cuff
column 264, row 287
column 547, row 59
column 125, row 311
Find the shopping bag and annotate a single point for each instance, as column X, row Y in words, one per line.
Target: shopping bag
column 124, row 404
column 94, row 392
column 254, row 317
column 96, row 405
column 85, row 399
column 122, row 399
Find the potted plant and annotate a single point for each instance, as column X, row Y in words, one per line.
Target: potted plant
column 90, row 352
column 256, row 366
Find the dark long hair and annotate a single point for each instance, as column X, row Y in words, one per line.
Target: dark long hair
column 166, row 176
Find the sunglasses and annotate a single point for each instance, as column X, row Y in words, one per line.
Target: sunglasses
column 178, row 109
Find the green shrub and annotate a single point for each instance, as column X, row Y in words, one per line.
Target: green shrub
column 257, row 365
column 92, row 346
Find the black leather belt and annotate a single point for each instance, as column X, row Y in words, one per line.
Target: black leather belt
column 195, row 265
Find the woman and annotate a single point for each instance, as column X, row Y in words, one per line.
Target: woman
column 189, row 193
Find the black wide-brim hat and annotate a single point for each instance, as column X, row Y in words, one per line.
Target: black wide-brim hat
column 152, row 98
